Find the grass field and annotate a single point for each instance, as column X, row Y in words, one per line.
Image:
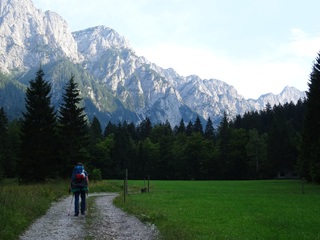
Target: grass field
column 274, row 209
column 186, row 209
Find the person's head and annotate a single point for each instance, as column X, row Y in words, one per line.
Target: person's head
column 79, row 164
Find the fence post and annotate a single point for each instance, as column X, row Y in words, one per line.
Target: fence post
column 124, row 190
column 148, row 183
column 125, row 186
column 126, row 181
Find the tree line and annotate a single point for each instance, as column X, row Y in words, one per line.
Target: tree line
column 280, row 141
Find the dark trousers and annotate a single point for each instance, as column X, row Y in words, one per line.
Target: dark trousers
column 77, row 195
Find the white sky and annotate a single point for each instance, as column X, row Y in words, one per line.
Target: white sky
column 258, row 46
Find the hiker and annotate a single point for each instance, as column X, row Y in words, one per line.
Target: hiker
column 79, row 187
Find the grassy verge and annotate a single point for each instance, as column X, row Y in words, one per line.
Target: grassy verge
column 106, row 186
column 20, row 205
column 229, row 209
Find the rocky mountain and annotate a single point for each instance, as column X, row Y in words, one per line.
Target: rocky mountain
column 115, row 83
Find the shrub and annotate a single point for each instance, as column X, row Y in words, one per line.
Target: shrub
column 96, row 175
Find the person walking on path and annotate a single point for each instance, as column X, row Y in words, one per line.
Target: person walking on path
column 79, row 187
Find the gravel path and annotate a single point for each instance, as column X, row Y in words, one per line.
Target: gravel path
column 108, row 222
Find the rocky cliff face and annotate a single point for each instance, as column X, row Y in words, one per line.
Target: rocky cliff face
column 30, row 37
column 114, row 81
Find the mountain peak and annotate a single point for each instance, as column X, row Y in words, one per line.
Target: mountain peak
column 11, row 5
column 99, row 37
column 30, row 37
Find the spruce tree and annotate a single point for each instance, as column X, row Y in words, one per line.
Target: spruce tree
column 209, row 130
column 3, row 141
column 189, row 129
column 310, row 148
column 95, row 137
column 223, row 143
column 73, row 128
column 181, row 128
column 144, row 128
column 198, row 126
column 38, row 149
column 110, row 129
column 95, row 130
column 13, row 148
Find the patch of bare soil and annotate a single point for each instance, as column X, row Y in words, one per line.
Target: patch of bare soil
column 106, row 222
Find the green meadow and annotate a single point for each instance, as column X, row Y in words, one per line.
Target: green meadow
column 273, row 209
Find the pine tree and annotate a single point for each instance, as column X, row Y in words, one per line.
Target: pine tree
column 123, row 149
column 95, row 130
column 223, row 141
column 73, row 128
column 144, row 128
column 209, row 130
column 309, row 163
column 3, row 141
column 38, row 151
column 189, row 129
column 181, row 128
column 110, row 129
column 198, row 126
column 95, row 137
column 13, row 143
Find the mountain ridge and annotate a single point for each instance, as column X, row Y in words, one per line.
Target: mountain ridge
column 115, row 83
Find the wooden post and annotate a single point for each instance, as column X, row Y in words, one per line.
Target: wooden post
column 125, row 186
column 126, row 181
column 148, row 183
column 124, row 190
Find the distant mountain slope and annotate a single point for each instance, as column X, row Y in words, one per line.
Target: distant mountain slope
column 115, row 83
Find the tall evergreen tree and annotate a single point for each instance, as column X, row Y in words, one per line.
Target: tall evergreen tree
column 198, row 126
column 236, row 158
column 189, row 129
column 3, row 140
column 310, row 148
column 95, row 137
column 257, row 154
column 223, row 141
column 73, row 128
column 144, row 129
column 13, row 144
column 123, row 150
column 281, row 151
column 111, row 128
column 209, row 130
column 95, row 130
column 38, row 149
column 181, row 128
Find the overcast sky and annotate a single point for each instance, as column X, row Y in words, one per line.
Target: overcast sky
column 257, row 46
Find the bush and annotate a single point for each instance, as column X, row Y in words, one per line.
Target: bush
column 96, row 175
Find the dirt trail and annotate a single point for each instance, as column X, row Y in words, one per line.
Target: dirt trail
column 108, row 222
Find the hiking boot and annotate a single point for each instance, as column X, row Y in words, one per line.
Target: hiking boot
column 76, row 215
